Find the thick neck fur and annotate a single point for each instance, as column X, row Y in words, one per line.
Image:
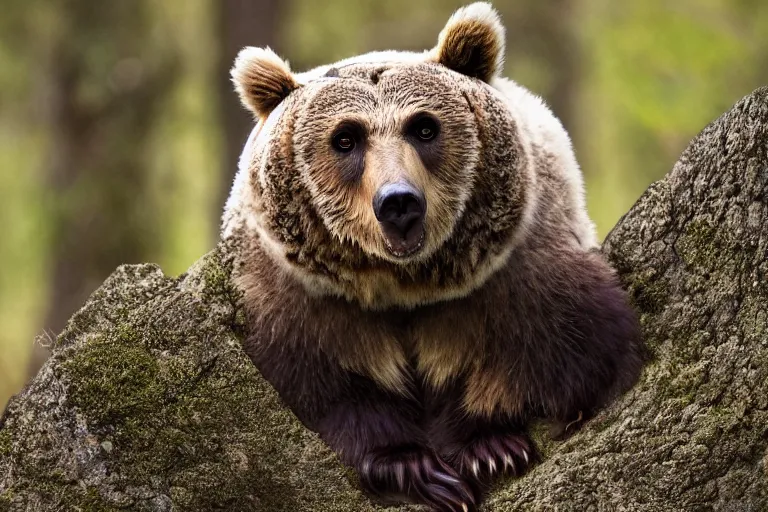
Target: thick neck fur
column 494, row 217
column 441, row 342
column 533, row 177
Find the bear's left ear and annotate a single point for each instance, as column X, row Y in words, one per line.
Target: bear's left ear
column 472, row 42
column 262, row 80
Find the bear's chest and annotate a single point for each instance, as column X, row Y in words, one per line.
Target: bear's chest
column 430, row 346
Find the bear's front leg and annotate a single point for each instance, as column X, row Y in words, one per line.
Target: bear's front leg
column 376, row 431
column 378, row 434
column 480, row 449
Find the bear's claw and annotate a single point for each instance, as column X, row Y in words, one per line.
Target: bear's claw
column 493, row 455
column 417, row 474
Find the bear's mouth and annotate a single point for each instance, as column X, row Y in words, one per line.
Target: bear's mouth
column 403, row 247
column 400, row 209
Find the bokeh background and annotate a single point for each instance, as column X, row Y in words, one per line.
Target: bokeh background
column 119, row 129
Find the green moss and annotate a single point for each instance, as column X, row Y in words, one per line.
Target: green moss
column 115, row 301
column 92, row 502
column 698, row 246
column 6, row 497
column 710, row 248
column 166, row 413
column 87, row 500
column 754, row 312
column 112, row 381
column 648, row 291
column 166, row 400
column 215, row 276
column 55, row 492
column 125, row 334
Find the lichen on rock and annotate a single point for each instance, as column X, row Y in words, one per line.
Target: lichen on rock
column 149, row 403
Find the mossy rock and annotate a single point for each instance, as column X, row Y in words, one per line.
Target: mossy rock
column 149, row 402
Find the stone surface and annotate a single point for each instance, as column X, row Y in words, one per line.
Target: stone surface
column 693, row 253
column 148, row 402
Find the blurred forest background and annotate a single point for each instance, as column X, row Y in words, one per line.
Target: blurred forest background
column 119, row 129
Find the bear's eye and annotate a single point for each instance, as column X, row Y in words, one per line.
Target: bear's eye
column 344, row 142
column 425, row 128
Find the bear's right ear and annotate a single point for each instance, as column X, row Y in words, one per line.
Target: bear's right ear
column 262, row 79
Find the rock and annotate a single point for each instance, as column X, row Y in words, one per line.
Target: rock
column 693, row 253
column 149, row 403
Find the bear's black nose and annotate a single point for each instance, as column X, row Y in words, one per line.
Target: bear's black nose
column 400, row 208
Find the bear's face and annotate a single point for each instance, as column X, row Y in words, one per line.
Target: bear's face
column 391, row 179
column 388, row 154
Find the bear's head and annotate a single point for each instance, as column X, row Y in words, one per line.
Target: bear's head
column 393, row 179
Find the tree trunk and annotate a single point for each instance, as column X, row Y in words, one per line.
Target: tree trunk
column 105, row 85
column 241, row 23
column 545, row 33
column 149, row 402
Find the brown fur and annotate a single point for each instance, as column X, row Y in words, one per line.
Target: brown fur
column 470, row 50
column 423, row 369
column 358, row 266
column 262, row 80
column 472, row 43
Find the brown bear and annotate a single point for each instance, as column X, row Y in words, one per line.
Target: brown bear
column 419, row 273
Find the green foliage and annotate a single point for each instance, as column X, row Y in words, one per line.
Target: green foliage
column 658, row 72
column 24, row 206
column 159, row 194
column 185, row 168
